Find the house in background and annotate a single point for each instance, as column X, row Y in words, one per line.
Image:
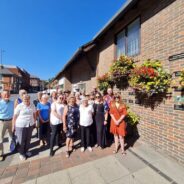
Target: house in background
column 141, row 29
column 80, row 71
column 23, row 81
column 8, row 80
column 34, row 83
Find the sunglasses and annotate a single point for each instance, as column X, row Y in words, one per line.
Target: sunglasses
column 117, row 97
column 97, row 96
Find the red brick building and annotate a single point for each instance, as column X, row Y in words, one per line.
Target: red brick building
column 141, row 29
column 34, row 83
column 13, row 78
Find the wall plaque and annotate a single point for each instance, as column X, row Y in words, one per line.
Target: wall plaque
column 130, row 101
column 179, row 107
column 131, row 93
column 137, row 101
column 125, row 100
column 176, row 57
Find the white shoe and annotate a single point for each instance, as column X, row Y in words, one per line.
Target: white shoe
column 96, row 145
column 90, row 149
column 22, row 157
column 82, row 149
column 28, row 154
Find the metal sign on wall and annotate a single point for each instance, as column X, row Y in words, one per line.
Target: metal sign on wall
column 176, row 57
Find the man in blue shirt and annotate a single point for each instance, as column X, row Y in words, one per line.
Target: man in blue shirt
column 6, row 115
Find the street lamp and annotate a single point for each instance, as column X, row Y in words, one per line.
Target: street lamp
column 2, row 56
column 1, row 68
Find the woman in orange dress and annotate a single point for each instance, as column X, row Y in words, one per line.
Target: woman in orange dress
column 118, row 126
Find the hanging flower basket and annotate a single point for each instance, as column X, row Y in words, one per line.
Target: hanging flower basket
column 150, row 78
column 120, row 70
column 182, row 78
column 104, row 82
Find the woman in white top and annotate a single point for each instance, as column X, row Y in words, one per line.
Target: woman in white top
column 56, row 122
column 23, row 123
column 86, row 120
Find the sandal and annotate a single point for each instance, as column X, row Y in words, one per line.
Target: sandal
column 115, row 151
column 67, row 154
column 123, row 153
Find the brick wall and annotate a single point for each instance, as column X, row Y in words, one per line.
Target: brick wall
column 162, row 35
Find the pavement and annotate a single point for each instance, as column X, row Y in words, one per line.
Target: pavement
column 142, row 165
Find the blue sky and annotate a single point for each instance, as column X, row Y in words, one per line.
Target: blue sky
column 42, row 35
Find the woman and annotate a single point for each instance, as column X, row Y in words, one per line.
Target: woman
column 70, row 122
column 53, row 97
column 35, row 102
column 43, row 109
column 118, row 126
column 78, row 99
column 86, row 120
column 19, row 99
column 56, row 122
column 23, row 123
column 100, row 117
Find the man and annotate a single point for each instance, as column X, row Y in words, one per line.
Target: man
column 6, row 115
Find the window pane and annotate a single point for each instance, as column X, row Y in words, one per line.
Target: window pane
column 120, row 47
column 133, row 42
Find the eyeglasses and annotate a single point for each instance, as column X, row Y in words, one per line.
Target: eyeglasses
column 97, row 96
column 117, row 97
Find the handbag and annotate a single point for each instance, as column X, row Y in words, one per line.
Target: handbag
column 13, row 143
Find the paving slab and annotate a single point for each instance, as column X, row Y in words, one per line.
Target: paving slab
column 149, row 176
column 130, row 179
column 171, row 169
column 130, row 162
column 110, row 169
column 148, row 153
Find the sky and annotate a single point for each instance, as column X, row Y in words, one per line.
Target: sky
column 42, row 35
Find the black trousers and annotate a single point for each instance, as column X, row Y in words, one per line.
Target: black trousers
column 44, row 131
column 55, row 138
column 85, row 136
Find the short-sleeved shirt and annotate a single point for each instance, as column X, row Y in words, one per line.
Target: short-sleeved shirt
column 25, row 115
column 59, row 109
column 86, row 115
column 44, row 110
column 6, row 109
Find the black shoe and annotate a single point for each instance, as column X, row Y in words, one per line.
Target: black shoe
column 51, row 153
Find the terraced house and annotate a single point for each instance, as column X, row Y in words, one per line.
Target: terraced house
column 141, row 29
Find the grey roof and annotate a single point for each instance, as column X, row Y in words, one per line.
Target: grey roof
column 34, row 77
column 5, row 71
column 10, row 66
column 120, row 13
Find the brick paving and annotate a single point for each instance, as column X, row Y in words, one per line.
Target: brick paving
column 31, row 169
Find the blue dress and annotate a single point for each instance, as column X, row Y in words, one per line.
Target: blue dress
column 72, row 120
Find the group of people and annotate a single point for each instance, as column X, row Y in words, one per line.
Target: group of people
column 63, row 116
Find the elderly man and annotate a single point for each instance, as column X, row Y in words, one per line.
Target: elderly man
column 6, row 115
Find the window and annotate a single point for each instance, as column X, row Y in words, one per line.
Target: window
column 82, row 87
column 133, row 34
column 128, row 41
column 121, row 44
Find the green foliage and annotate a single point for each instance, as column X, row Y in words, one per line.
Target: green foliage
column 182, row 78
column 104, row 82
column 121, row 68
column 150, row 78
column 132, row 118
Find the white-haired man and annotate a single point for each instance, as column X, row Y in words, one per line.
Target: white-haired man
column 6, row 115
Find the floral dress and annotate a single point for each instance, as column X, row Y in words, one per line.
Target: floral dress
column 72, row 120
